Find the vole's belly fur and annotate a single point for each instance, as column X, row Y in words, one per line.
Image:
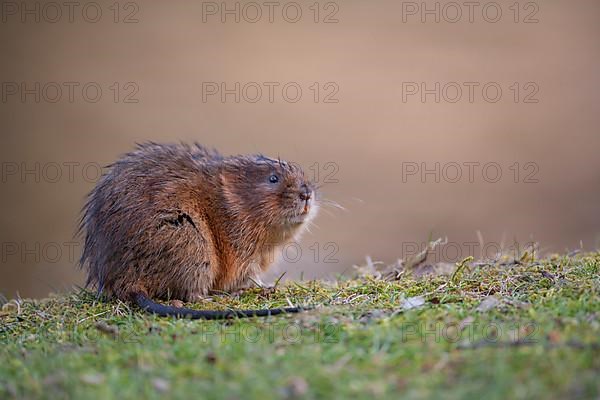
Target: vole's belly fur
column 155, row 224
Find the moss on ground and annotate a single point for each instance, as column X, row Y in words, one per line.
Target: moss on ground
column 522, row 329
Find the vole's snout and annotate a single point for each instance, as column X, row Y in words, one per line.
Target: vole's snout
column 305, row 193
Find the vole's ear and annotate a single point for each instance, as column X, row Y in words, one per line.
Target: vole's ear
column 295, row 168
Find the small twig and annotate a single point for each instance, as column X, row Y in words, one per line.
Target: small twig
column 289, row 302
column 278, row 279
column 459, row 267
column 258, row 284
column 91, row 316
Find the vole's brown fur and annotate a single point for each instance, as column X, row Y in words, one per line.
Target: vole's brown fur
column 178, row 222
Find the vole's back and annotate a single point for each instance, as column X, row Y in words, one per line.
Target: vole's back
column 144, row 232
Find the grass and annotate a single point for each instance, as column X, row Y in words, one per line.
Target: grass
column 526, row 328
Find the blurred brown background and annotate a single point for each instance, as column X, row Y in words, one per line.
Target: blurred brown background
column 170, row 53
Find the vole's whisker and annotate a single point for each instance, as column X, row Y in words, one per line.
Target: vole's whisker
column 327, row 211
column 311, row 223
column 332, row 203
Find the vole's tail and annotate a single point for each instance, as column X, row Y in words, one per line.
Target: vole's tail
column 148, row 305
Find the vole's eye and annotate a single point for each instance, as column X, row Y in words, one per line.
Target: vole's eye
column 273, row 179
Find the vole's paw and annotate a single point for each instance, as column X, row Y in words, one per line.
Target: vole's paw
column 176, row 303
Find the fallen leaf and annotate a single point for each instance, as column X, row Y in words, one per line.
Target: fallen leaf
column 161, row 385
column 413, row 302
column 418, row 259
column 92, row 379
column 370, row 316
column 487, row 304
column 110, row 330
column 465, row 322
column 296, row 387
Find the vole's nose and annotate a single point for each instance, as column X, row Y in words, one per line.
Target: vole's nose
column 305, row 196
column 305, row 193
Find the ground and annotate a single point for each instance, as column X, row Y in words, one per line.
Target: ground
column 522, row 328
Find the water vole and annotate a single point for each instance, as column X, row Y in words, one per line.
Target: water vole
column 173, row 221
